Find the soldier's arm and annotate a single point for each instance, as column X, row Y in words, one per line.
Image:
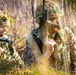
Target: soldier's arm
column 15, row 54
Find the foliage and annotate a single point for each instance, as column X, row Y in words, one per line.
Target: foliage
column 6, row 67
column 13, row 68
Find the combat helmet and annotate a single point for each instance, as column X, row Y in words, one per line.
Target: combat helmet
column 54, row 9
column 5, row 20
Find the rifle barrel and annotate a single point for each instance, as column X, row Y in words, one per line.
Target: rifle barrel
column 5, row 40
column 43, row 5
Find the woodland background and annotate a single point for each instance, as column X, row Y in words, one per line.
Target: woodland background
column 24, row 13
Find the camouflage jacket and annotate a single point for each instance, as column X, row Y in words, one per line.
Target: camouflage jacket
column 8, row 51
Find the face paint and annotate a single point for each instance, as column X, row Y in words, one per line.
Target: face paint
column 2, row 30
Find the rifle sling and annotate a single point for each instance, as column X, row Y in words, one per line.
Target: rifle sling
column 38, row 41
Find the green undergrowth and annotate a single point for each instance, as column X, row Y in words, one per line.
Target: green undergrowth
column 14, row 69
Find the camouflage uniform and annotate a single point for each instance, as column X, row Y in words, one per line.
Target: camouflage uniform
column 9, row 52
column 7, row 49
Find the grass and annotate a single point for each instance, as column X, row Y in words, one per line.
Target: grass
column 12, row 68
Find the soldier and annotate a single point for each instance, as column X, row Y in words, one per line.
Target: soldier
column 7, row 49
column 50, row 41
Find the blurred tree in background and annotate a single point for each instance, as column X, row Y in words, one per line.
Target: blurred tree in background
column 69, row 7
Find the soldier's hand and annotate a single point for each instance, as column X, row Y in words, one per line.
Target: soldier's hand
column 1, row 51
column 50, row 45
column 50, row 48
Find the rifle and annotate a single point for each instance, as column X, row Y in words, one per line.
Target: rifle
column 44, row 14
column 6, row 40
